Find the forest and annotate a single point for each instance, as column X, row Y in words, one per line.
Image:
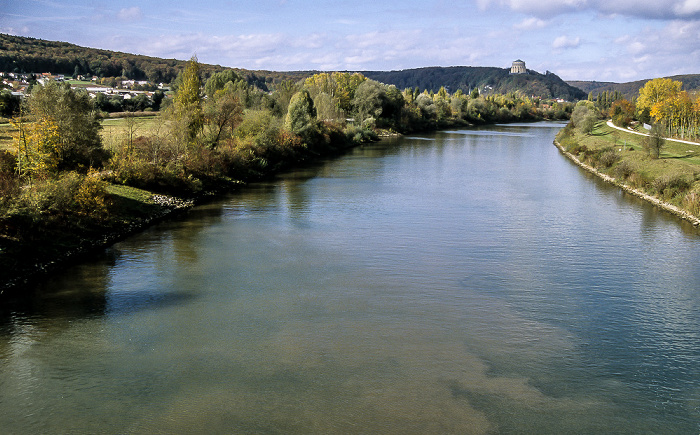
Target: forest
column 29, row 55
column 20, row 54
column 486, row 79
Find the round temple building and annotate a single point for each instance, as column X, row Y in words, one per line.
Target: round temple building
column 518, row 67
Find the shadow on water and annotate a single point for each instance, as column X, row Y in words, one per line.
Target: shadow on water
column 87, row 290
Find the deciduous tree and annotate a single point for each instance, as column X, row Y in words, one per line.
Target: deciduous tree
column 301, row 113
column 63, row 127
column 187, row 103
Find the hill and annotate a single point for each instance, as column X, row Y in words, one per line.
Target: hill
column 691, row 82
column 20, row 54
column 488, row 79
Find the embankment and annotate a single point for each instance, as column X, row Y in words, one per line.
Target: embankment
column 638, row 193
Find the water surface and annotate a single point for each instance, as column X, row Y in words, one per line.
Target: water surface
column 461, row 282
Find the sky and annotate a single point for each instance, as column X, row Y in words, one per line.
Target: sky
column 602, row 40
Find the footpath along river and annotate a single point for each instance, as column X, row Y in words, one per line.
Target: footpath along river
column 471, row 281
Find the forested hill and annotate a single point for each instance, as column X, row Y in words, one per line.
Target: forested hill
column 630, row 90
column 490, row 79
column 30, row 55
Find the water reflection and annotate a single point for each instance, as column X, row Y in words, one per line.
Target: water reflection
column 435, row 285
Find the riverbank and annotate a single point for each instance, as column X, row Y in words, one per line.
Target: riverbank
column 132, row 210
column 54, row 247
column 670, row 183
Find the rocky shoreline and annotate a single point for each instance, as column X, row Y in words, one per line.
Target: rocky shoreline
column 632, row 191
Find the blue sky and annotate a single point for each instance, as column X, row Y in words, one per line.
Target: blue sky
column 604, row 40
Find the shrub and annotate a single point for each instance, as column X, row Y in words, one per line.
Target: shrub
column 624, row 169
column 608, row 158
column 669, row 186
column 91, row 197
column 361, row 135
column 691, row 201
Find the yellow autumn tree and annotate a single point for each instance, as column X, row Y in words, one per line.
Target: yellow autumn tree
column 656, row 91
column 36, row 146
column 58, row 130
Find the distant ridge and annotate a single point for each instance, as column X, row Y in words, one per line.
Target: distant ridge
column 30, row 55
column 630, row 90
column 488, row 79
column 22, row 54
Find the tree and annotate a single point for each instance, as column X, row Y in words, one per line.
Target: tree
column 301, row 113
column 222, row 113
column 622, row 112
column 369, row 100
column 584, row 116
column 218, row 81
column 340, row 86
column 656, row 91
column 187, row 103
column 655, row 141
column 71, row 122
column 9, row 104
column 283, row 94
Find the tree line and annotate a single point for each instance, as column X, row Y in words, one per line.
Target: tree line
column 661, row 103
column 213, row 133
column 29, row 55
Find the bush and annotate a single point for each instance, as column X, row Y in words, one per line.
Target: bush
column 669, row 186
column 361, row 135
column 691, row 201
column 9, row 182
column 608, row 158
column 624, row 169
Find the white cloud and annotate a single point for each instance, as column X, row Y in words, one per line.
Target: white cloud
column 130, row 14
column 687, row 7
column 16, row 32
column 653, row 10
column 563, row 42
column 531, row 23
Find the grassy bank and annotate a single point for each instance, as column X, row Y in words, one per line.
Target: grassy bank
column 671, row 181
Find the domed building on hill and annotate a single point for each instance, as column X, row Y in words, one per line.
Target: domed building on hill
column 518, row 67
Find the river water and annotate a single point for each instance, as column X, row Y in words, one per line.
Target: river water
column 463, row 282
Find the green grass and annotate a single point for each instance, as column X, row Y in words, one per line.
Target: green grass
column 673, row 177
column 82, row 83
column 6, row 131
column 129, row 202
column 115, row 130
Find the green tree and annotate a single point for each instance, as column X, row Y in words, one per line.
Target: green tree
column 218, row 81
column 369, row 100
column 222, row 113
column 70, row 119
column 301, row 113
column 655, row 141
column 584, row 117
column 9, row 104
column 187, row 103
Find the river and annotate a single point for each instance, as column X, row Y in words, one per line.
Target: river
column 464, row 282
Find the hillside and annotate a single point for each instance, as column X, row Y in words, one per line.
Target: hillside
column 691, row 82
column 490, row 79
column 21, row 54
